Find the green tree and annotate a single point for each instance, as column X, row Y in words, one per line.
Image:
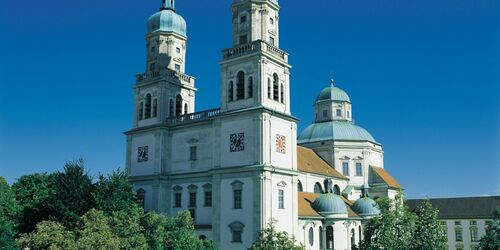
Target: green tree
column 126, row 226
column 271, row 239
column 393, row 229
column 114, row 193
column 491, row 240
column 180, row 233
column 428, row 233
column 33, row 194
column 73, row 194
column 8, row 216
column 95, row 233
column 48, row 235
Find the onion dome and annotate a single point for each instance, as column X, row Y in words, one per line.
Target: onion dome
column 167, row 20
column 334, row 130
column 365, row 206
column 333, row 93
column 330, row 205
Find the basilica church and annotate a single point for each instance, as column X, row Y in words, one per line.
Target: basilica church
column 237, row 167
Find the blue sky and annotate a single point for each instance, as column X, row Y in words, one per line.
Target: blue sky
column 423, row 77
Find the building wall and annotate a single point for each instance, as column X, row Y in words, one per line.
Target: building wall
column 465, row 226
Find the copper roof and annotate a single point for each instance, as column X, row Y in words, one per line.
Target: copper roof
column 462, row 207
column 310, row 162
column 386, row 177
column 306, row 210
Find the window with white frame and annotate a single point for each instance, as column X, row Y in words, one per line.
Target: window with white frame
column 236, row 229
column 193, row 150
column 339, row 112
column 177, row 196
column 359, row 169
column 281, row 199
column 208, row 195
column 237, row 194
column 345, row 168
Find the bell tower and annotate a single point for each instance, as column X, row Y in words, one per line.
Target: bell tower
column 255, row 71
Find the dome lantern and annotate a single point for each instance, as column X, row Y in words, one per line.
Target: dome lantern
column 333, row 104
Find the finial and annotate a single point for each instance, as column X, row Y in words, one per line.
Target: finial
column 364, row 191
column 332, row 81
column 168, row 5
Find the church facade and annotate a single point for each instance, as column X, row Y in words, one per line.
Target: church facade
column 237, row 167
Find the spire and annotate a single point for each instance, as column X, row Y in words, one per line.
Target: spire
column 168, row 5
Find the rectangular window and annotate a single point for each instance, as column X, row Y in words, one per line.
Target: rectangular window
column 178, row 50
column 237, row 199
column 236, row 236
column 345, row 168
column 473, row 235
column 192, row 212
column 243, row 39
column 339, row 112
column 458, row 234
column 281, row 199
column 178, row 200
column 325, row 113
column 153, row 49
column 348, row 114
column 177, row 67
column 208, row 198
column 458, row 223
column 271, row 40
column 152, row 67
column 193, row 153
column 359, row 169
column 192, row 199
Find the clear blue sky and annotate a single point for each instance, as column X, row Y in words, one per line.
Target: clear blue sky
column 423, row 77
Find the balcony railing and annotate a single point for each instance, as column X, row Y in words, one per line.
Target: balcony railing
column 254, row 46
column 171, row 74
column 198, row 116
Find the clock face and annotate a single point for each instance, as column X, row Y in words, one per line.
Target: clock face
column 237, row 142
column 281, row 144
column 142, row 154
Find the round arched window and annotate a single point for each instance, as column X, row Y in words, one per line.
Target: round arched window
column 311, row 236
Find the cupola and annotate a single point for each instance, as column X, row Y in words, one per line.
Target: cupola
column 365, row 206
column 330, row 205
column 167, row 20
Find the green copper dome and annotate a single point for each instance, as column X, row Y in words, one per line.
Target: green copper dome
column 333, row 94
column 166, row 20
column 366, row 207
column 338, row 130
column 329, row 204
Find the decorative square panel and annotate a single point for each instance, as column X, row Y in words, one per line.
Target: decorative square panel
column 281, row 144
column 237, row 142
column 142, row 154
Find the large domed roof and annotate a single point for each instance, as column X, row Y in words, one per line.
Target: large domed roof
column 167, row 20
column 336, row 130
column 329, row 205
column 333, row 93
column 366, row 207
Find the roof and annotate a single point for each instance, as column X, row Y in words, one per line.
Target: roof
column 385, row 177
column 310, row 162
column 334, row 94
column 166, row 20
column 305, row 201
column 338, row 130
column 462, row 208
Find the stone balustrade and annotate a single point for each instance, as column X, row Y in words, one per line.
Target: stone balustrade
column 202, row 115
column 252, row 47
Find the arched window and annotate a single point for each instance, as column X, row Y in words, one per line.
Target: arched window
column 353, row 238
column 336, row 190
column 147, row 108
column 141, row 197
column 240, row 86
column 186, row 108
column 230, row 91
column 317, row 188
column 269, row 88
column 311, row 236
column 330, row 239
column 276, row 86
column 155, row 107
column 141, row 110
column 282, row 93
column 299, row 187
column 250, row 87
column 321, row 243
column 178, row 105
column 171, row 108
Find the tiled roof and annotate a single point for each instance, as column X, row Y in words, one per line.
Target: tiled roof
column 308, row 161
column 306, row 210
column 462, row 208
column 386, row 177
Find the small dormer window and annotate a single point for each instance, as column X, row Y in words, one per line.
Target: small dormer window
column 339, row 112
column 243, row 19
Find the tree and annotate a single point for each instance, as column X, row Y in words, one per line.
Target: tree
column 114, row 193
column 73, row 194
column 271, row 239
column 180, row 233
column 428, row 233
column 393, row 229
column 126, row 226
column 48, row 235
column 33, row 193
column 95, row 232
column 491, row 240
column 8, row 216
